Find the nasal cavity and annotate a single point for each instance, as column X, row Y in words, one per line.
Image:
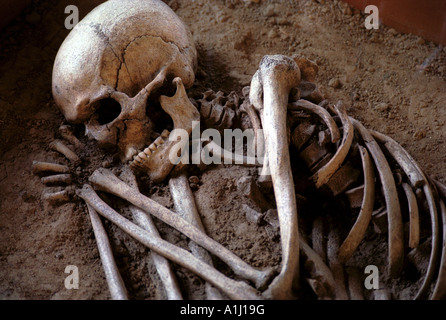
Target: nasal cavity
column 107, row 110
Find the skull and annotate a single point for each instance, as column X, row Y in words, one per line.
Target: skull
column 113, row 66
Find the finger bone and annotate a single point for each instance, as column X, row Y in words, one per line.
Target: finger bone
column 60, row 147
column 42, row 167
column 66, row 133
column 57, row 179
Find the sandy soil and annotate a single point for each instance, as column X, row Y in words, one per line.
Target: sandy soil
column 392, row 82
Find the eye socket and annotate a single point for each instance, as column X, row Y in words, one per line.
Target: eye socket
column 107, row 110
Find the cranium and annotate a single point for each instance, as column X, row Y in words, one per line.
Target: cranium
column 112, row 68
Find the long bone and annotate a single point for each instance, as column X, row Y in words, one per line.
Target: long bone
column 186, row 207
column 162, row 265
column 359, row 229
column 395, row 221
column 105, row 180
column 113, row 277
column 233, row 289
column 276, row 76
column 417, row 178
column 144, row 220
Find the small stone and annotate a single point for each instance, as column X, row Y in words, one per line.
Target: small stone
column 335, row 83
column 421, row 41
column 393, row 31
column 270, row 11
column 252, row 215
column 194, row 179
column 382, row 106
column 420, row 134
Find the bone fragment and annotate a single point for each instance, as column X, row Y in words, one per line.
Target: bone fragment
column 322, row 282
column 404, row 159
column 247, row 186
column 252, row 215
column 106, row 181
column 113, row 277
column 57, row 179
column 414, row 219
column 395, row 221
column 233, row 289
column 60, row 147
column 323, row 175
column 276, row 76
column 186, row 207
column 66, row 133
column 321, row 112
column 359, row 229
column 58, row 197
column 41, row 167
column 162, row 265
